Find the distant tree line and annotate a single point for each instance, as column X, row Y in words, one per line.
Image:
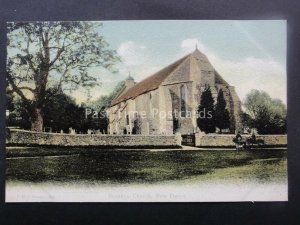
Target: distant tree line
column 266, row 115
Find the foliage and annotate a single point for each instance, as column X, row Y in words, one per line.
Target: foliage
column 20, row 112
column 9, row 101
column 206, row 112
column 267, row 115
column 102, row 104
column 105, row 100
column 56, row 55
column 222, row 117
column 103, row 121
column 61, row 112
column 246, row 120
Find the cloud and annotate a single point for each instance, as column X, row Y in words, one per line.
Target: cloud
column 190, row 44
column 245, row 74
column 254, row 73
column 136, row 60
column 131, row 53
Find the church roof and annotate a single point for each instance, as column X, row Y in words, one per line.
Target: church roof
column 150, row 83
column 155, row 80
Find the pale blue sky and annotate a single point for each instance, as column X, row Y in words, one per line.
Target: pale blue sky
column 227, row 38
column 248, row 54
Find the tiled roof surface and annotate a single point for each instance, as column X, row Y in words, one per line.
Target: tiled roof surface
column 148, row 84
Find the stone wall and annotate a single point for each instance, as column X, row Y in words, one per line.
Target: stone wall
column 226, row 140
column 22, row 137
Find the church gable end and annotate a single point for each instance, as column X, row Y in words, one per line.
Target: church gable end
column 180, row 74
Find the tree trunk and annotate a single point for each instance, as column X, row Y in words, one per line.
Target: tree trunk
column 37, row 124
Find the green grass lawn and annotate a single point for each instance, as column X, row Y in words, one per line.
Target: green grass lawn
column 136, row 166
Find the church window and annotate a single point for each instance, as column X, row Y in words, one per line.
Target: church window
column 183, row 100
column 127, row 119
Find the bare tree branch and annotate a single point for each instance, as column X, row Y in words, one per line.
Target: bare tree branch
column 28, row 59
column 15, row 87
column 57, row 56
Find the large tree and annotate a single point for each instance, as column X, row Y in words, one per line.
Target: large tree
column 206, row 112
column 222, row 117
column 54, row 54
column 60, row 113
column 267, row 115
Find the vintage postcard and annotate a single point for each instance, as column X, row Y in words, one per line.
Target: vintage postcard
column 146, row 111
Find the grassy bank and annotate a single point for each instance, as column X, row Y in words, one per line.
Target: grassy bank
column 147, row 166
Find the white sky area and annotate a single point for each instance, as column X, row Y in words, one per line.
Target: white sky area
column 247, row 54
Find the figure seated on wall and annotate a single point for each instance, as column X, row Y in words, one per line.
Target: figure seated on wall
column 252, row 141
column 240, row 143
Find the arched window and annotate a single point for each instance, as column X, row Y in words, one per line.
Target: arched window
column 183, row 100
column 127, row 119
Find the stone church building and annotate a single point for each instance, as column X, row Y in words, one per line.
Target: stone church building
column 167, row 101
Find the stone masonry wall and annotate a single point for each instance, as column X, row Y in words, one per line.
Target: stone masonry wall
column 22, row 137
